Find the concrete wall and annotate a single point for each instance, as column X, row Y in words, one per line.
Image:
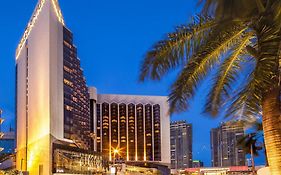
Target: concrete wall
column 40, row 95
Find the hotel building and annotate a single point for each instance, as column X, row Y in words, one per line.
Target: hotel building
column 53, row 106
column 181, row 145
column 224, row 145
column 136, row 126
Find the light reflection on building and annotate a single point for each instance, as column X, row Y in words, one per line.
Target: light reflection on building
column 135, row 125
column 72, row 160
column 52, row 96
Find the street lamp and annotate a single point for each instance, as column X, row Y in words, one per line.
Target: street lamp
column 115, row 151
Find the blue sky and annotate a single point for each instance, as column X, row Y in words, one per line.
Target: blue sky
column 112, row 37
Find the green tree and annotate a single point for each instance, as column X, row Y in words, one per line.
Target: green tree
column 239, row 40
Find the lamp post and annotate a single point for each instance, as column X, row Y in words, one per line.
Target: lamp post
column 115, row 151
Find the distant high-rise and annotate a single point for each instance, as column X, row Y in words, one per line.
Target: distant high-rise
column 53, row 107
column 224, row 147
column 181, row 145
column 136, row 126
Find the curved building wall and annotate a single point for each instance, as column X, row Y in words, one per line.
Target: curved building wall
column 138, row 127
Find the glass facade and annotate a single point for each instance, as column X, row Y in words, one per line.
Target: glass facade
column 71, row 160
column 132, row 132
column 76, row 97
column 133, row 129
column 105, row 130
column 140, row 132
column 98, row 127
column 114, row 127
column 224, row 144
column 123, row 130
column 181, row 145
column 157, row 132
column 148, row 132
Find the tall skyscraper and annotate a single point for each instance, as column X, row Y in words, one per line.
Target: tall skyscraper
column 53, row 107
column 136, row 126
column 225, row 150
column 181, row 145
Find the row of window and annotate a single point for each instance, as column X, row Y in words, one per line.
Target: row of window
column 76, row 97
column 143, row 132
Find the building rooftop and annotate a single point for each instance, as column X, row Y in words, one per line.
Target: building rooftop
column 33, row 19
column 132, row 98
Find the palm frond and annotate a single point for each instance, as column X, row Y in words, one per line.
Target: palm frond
column 227, row 74
column 176, row 48
column 200, row 64
column 265, row 76
column 247, row 103
column 229, row 9
column 248, row 141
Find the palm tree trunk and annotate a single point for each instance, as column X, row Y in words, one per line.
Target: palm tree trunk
column 265, row 155
column 272, row 129
column 253, row 161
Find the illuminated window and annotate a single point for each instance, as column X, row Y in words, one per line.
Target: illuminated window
column 68, row 108
column 75, row 99
column 67, row 44
column 67, row 69
column 67, row 82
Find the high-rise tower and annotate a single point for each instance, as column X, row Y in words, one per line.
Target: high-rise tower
column 181, row 145
column 53, row 106
column 224, row 145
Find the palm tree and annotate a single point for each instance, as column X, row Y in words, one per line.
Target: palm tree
column 238, row 42
column 251, row 143
column 250, row 146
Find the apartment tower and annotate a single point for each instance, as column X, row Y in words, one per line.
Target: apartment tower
column 224, row 145
column 181, row 145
